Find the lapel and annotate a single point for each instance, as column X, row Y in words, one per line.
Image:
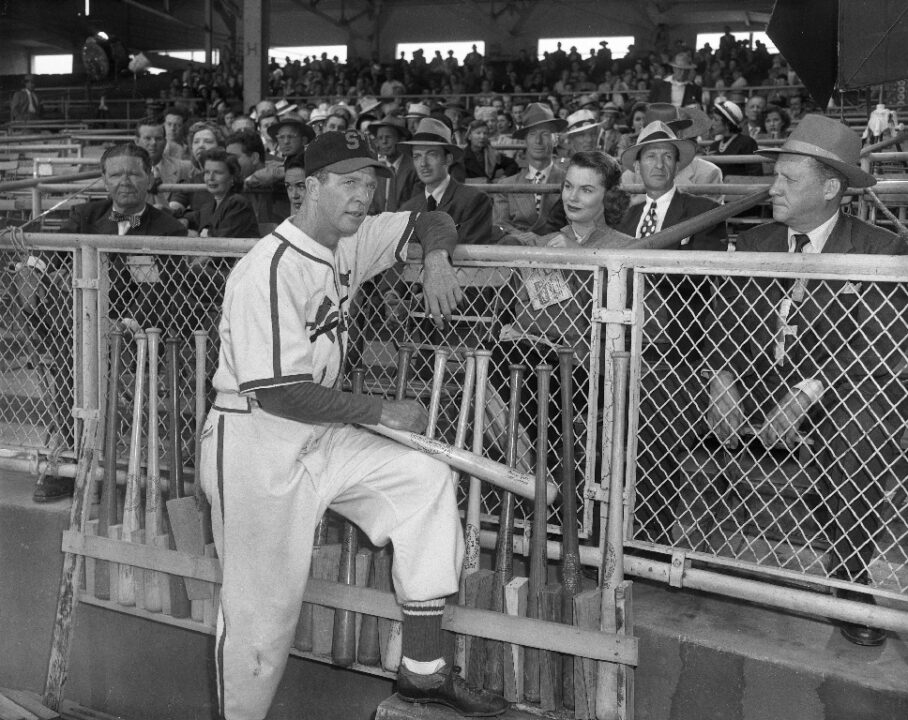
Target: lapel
column 447, row 197
column 102, row 224
column 675, row 212
column 840, row 240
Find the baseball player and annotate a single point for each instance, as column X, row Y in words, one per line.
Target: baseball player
column 281, row 445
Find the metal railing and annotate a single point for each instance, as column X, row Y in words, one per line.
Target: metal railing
column 758, row 523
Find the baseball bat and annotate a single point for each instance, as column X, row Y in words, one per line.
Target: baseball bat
column 571, row 572
column 126, row 591
column 369, row 648
column 504, row 547
column 201, row 362
column 471, row 533
column 343, row 645
column 154, row 515
column 438, row 382
column 107, row 514
column 179, row 601
column 492, row 472
column 538, row 529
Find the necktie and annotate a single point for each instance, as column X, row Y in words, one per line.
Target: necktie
column 431, row 203
column 134, row 220
column 800, row 241
column 540, row 176
column 649, row 222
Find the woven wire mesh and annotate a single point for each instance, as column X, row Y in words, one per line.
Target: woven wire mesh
column 36, row 352
column 831, row 503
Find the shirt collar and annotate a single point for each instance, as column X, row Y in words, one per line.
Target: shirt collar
column 662, row 202
column 818, row 236
column 439, row 192
column 533, row 172
column 301, row 241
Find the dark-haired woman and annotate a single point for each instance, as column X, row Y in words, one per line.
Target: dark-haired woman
column 729, row 140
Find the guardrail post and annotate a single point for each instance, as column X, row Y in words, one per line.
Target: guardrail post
column 87, row 329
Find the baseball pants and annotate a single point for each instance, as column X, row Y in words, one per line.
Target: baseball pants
column 269, row 481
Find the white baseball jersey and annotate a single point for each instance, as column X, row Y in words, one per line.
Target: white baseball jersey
column 286, row 304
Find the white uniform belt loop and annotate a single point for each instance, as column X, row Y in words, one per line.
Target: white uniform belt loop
column 234, row 402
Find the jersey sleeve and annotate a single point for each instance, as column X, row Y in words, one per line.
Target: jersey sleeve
column 380, row 242
column 269, row 342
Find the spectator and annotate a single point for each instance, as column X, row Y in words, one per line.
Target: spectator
column 295, row 181
column 834, row 370
column 753, row 113
column 433, row 153
column 25, row 104
column 391, row 192
column 269, row 203
column 165, row 169
column 290, row 134
column 175, row 123
column 678, row 90
column 582, row 132
column 776, row 122
column 482, row 162
column 611, row 135
column 222, row 211
column 528, row 212
column 727, row 121
column 416, row 111
column 637, row 121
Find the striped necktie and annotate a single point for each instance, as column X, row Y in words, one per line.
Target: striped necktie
column 537, row 180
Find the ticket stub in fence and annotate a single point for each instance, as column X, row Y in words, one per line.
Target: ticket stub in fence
column 143, row 269
column 545, row 287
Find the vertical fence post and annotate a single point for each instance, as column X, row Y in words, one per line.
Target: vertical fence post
column 89, row 341
column 613, row 340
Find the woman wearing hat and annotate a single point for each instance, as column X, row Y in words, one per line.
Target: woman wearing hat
column 729, row 140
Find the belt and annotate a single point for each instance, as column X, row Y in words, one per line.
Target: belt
column 234, row 402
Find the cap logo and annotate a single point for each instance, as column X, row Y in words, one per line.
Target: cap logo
column 353, row 139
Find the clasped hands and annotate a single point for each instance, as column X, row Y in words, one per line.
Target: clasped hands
column 725, row 415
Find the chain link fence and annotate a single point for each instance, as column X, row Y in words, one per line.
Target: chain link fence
column 829, row 503
column 828, row 509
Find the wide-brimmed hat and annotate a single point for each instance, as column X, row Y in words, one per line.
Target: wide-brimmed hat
column 729, row 110
column 829, row 141
column 537, row 115
column 319, row 114
column 431, row 131
column 417, row 110
column 391, row 121
column 682, row 60
column 282, row 107
column 342, row 152
column 367, row 103
column 296, row 121
column 581, row 121
column 588, row 99
column 686, row 122
column 659, row 132
column 610, row 109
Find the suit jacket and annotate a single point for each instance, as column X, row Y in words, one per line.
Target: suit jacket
column 681, row 300
column 739, row 145
column 171, row 170
column 485, row 166
column 682, row 207
column 234, row 217
column 700, row 172
column 846, row 332
column 661, row 91
column 470, row 209
column 519, row 209
column 141, row 301
column 393, row 192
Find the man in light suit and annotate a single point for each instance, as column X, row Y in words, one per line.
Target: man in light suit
column 165, row 169
column 433, row 152
column 820, row 356
column 521, row 212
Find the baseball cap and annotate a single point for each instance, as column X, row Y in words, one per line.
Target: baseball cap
column 343, row 152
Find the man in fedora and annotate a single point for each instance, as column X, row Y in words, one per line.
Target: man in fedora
column 416, row 111
column 678, row 89
column 25, row 104
column 611, row 135
column 820, row 357
column 528, row 211
column 391, row 192
column 687, row 124
column 582, row 132
column 433, row 153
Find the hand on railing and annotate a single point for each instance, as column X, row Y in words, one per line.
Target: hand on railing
column 781, row 426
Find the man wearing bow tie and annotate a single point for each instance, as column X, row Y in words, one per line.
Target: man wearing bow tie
column 141, row 286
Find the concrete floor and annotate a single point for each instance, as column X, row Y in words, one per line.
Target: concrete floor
column 701, row 657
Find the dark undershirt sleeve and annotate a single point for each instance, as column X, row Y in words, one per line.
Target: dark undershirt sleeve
column 436, row 231
column 310, row 403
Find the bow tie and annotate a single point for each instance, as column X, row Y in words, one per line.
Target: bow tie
column 133, row 220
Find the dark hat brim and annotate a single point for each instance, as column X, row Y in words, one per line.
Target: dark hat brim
column 555, row 125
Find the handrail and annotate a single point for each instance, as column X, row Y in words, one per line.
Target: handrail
column 34, row 182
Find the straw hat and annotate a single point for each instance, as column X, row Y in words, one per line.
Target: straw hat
column 829, row 141
column 367, row 103
column 729, row 110
column 581, row 121
column 659, row 132
column 417, row 110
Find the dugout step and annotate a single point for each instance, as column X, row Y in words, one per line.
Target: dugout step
column 396, row 709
